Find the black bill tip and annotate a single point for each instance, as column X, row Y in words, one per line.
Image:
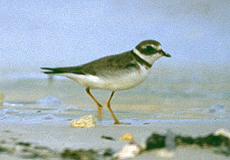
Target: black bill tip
column 165, row 54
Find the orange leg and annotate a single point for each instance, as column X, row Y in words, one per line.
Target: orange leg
column 116, row 121
column 99, row 106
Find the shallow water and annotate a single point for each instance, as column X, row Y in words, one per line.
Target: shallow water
column 166, row 96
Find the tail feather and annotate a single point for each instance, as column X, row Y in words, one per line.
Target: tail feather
column 75, row 70
column 51, row 70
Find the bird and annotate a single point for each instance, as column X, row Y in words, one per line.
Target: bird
column 115, row 72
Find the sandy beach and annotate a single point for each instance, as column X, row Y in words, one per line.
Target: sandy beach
column 58, row 136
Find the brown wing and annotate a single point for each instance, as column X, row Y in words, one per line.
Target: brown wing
column 109, row 65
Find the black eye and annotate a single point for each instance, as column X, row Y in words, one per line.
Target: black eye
column 150, row 49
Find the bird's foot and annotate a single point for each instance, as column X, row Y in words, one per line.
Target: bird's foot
column 120, row 123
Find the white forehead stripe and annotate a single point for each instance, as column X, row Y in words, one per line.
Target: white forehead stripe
column 157, row 47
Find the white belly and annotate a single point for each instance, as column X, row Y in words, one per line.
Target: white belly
column 114, row 83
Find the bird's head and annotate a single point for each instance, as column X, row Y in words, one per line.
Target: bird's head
column 150, row 51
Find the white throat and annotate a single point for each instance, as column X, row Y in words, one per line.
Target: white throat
column 148, row 58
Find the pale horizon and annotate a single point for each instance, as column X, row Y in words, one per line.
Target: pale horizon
column 35, row 34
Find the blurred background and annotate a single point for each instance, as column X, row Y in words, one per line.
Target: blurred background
column 68, row 33
column 193, row 83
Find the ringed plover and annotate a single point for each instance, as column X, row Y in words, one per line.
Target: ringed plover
column 115, row 72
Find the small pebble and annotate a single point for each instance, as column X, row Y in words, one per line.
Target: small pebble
column 126, row 137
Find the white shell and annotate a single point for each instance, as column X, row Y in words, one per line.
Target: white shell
column 222, row 132
column 83, row 122
column 128, row 151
